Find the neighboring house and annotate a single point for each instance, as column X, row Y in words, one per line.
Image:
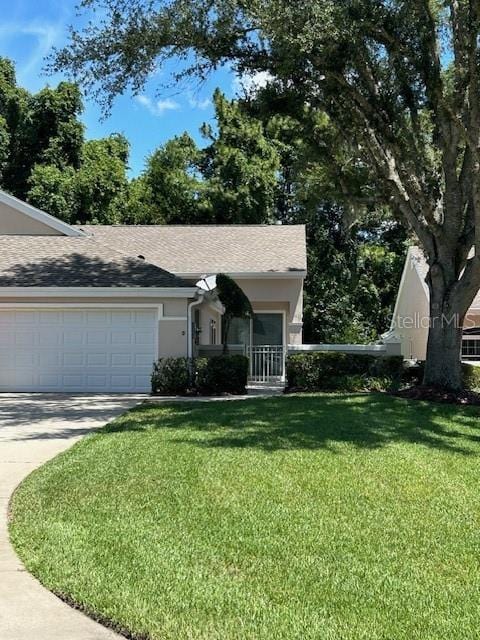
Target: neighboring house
column 90, row 308
column 411, row 317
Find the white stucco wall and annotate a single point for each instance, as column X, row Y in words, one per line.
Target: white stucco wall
column 278, row 294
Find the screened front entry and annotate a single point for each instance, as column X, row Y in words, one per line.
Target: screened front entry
column 263, row 338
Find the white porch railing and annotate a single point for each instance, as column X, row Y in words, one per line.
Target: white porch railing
column 267, row 363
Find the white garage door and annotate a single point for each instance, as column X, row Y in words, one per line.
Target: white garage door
column 94, row 350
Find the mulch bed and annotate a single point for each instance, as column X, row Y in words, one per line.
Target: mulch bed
column 436, row 394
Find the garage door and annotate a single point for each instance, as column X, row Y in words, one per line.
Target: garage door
column 85, row 350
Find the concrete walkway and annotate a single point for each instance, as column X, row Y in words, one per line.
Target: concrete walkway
column 33, row 429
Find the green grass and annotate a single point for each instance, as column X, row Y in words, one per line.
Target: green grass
column 302, row 517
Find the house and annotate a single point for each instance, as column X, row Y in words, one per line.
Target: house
column 89, row 308
column 411, row 316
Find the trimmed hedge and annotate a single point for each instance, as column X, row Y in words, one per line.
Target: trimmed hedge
column 337, row 371
column 222, row 374
column 170, row 377
column 206, row 376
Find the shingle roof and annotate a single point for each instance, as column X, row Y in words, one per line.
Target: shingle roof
column 211, row 249
column 56, row 261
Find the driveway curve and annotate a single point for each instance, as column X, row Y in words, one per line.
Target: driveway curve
column 33, row 429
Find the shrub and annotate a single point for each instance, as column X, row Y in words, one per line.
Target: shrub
column 170, row 376
column 337, row 371
column 471, row 377
column 207, row 376
column 222, row 374
column 413, row 375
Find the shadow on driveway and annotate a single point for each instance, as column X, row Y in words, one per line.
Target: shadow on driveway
column 37, row 416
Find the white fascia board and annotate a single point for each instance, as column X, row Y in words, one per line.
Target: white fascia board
column 245, row 274
column 99, row 292
column 39, row 216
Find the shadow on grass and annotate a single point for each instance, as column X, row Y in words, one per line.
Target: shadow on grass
column 311, row 422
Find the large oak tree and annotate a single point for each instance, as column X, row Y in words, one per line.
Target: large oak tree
column 398, row 78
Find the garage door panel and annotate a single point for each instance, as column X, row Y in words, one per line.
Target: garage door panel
column 79, row 350
column 24, row 338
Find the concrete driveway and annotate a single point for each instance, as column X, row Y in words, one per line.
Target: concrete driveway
column 33, row 429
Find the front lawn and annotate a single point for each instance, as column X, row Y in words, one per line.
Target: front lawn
column 303, row 517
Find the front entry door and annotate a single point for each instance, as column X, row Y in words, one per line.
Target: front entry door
column 263, row 337
column 267, row 350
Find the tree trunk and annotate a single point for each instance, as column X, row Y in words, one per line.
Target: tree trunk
column 443, row 366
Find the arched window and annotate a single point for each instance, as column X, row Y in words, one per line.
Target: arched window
column 471, row 344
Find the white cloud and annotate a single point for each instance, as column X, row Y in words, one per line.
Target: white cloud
column 45, row 34
column 198, row 103
column 157, row 107
column 250, row 83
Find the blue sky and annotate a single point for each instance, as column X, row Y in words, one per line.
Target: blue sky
column 28, row 31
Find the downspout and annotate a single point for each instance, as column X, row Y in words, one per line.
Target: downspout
column 195, row 303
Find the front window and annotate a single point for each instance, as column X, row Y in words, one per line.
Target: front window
column 267, row 329
column 263, row 329
column 239, row 331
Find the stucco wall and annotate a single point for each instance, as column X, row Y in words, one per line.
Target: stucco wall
column 207, row 315
column 13, row 222
column 278, row 294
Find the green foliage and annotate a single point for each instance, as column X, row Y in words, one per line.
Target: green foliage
column 170, row 377
column 232, row 180
column 172, row 186
column 336, row 371
column 4, row 144
column 207, row 376
column 46, row 131
column 54, row 190
column 240, row 167
column 101, row 181
column 44, row 159
column 471, row 376
column 222, row 374
column 414, row 374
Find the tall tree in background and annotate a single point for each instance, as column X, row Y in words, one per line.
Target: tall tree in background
column 231, row 180
column 399, row 79
column 45, row 159
column 173, row 185
column 240, row 166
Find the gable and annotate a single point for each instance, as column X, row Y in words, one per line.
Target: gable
column 18, row 218
column 15, row 223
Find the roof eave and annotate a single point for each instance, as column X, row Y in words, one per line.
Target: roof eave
column 99, row 292
column 301, row 273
